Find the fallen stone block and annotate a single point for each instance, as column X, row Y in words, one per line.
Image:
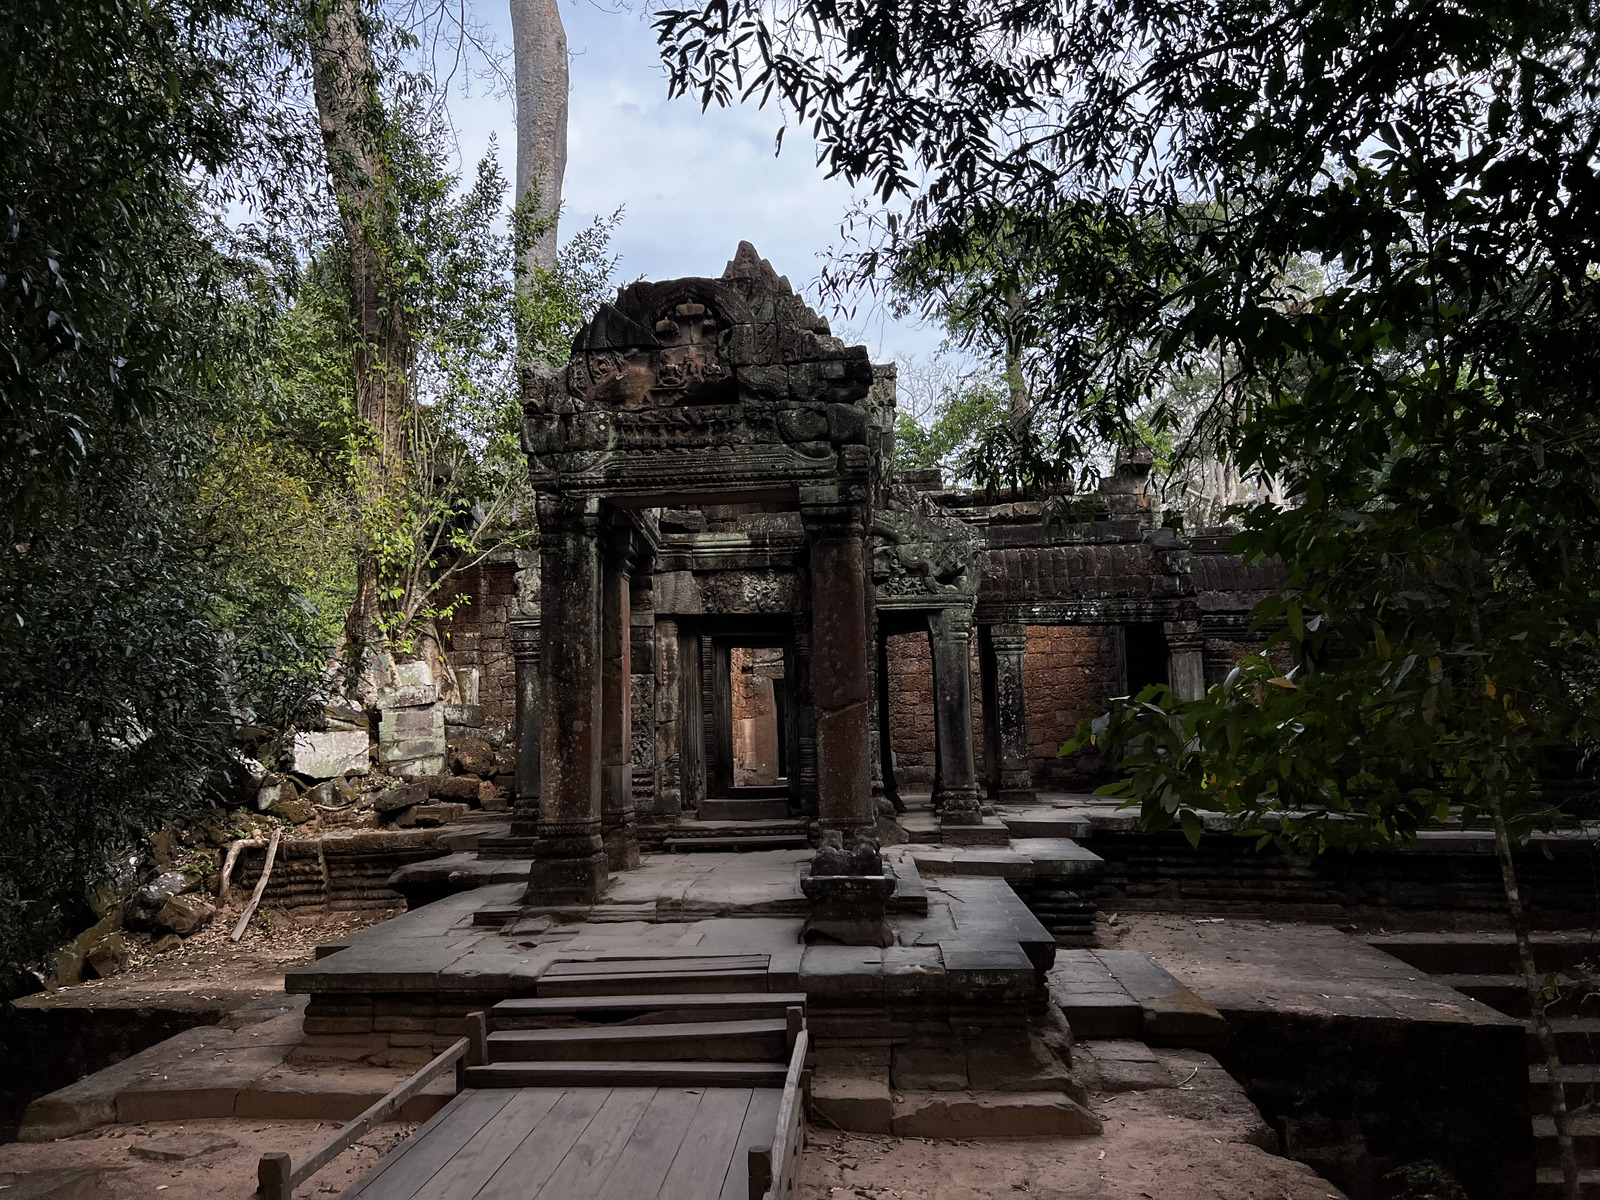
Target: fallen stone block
column 990, row 1114
column 330, row 754
column 853, row 1103
column 184, row 915
column 1173, row 1015
column 404, row 796
column 335, row 1093
column 1123, row 1066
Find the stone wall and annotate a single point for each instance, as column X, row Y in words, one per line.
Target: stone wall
column 911, row 710
column 479, row 636
column 1067, row 672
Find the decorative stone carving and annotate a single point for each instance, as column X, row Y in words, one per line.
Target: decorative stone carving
column 922, row 555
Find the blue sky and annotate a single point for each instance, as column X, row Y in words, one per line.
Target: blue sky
column 692, row 184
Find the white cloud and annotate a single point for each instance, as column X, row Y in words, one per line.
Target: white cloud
column 693, row 183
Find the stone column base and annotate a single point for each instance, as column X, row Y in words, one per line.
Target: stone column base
column 621, row 840
column 569, row 867
column 960, row 807
column 850, row 910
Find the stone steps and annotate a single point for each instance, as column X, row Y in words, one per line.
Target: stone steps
column 754, row 841
column 783, row 834
column 627, row 1074
column 765, row 808
column 759, row 1040
column 629, row 1011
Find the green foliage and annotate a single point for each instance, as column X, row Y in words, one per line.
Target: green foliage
column 1426, row 394
column 1424, row 1181
column 553, row 303
column 140, row 617
column 965, row 411
column 470, row 316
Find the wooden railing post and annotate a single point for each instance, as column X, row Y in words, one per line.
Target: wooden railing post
column 273, row 1176
column 478, row 1039
column 796, row 1017
column 760, row 1171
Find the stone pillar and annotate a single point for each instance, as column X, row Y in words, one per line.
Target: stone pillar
column 840, row 678
column 668, row 757
column 1006, row 646
column 803, row 789
column 525, row 654
column 642, row 619
column 956, row 799
column 618, row 826
column 1186, row 670
column 569, row 864
column 891, row 786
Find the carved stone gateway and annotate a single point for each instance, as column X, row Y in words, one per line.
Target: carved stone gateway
column 682, row 399
column 713, row 483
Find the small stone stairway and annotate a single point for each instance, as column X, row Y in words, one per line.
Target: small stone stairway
column 645, row 1023
column 740, row 823
column 1484, row 966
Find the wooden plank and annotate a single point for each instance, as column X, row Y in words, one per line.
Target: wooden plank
column 477, row 1161
column 637, row 966
column 646, row 1159
column 759, row 1121
column 391, row 1102
column 626, row 1074
column 402, row 1173
column 539, row 1154
column 702, row 1160
column 585, row 1166
column 762, row 1040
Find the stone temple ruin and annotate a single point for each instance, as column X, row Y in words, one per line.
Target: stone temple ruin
column 715, row 488
column 754, row 790
column 744, row 631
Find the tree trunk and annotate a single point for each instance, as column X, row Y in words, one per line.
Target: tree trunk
column 1571, row 1187
column 539, row 43
column 353, row 123
column 351, row 114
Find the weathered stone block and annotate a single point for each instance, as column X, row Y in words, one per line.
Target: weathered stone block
column 406, row 751
column 966, row 1115
column 469, row 715
column 417, row 768
column 186, row 914
column 411, row 696
column 400, row 724
column 330, row 754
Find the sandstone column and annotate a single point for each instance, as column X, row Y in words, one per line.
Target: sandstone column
column 956, row 798
column 1011, row 779
column 618, row 825
column 891, row 786
column 525, row 654
column 669, row 685
column 569, row 858
column 1185, row 659
column 840, row 678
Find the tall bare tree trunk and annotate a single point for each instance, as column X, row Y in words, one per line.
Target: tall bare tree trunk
column 539, row 42
column 354, row 129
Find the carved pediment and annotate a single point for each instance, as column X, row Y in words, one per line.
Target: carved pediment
column 921, row 551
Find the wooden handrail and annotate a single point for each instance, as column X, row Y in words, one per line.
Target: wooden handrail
column 277, row 1176
column 773, row 1168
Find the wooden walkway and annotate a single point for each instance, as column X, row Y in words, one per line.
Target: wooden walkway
column 594, row 1143
column 623, row 1079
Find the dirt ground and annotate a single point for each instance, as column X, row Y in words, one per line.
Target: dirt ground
column 209, row 972
column 109, row 1163
column 1146, row 1153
